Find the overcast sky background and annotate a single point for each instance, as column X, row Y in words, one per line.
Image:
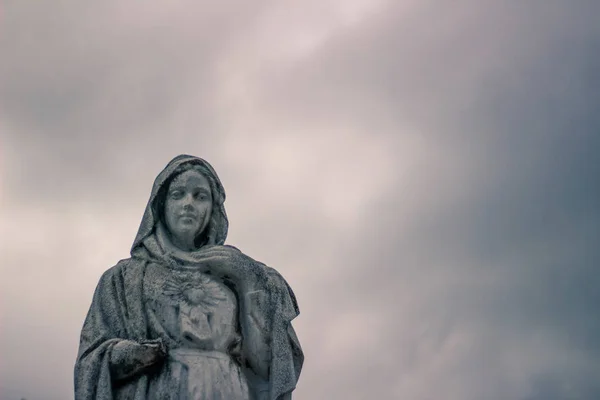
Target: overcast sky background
column 424, row 174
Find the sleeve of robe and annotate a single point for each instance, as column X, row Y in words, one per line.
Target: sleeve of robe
column 105, row 325
column 287, row 354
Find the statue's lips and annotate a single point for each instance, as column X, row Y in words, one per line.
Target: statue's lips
column 193, row 217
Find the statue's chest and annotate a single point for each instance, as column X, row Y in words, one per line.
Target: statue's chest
column 193, row 307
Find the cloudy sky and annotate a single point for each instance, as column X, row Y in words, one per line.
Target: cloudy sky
column 425, row 174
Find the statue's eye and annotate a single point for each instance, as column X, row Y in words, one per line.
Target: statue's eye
column 176, row 194
column 201, row 196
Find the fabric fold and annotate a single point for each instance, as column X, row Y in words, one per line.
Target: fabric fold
column 119, row 309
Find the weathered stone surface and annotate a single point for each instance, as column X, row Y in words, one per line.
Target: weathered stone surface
column 186, row 316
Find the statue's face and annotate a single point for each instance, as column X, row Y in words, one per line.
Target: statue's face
column 188, row 206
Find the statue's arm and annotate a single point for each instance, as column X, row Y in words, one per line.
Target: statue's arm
column 257, row 339
column 104, row 337
column 129, row 359
column 268, row 308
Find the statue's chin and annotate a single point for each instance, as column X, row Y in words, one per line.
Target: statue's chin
column 183, row 240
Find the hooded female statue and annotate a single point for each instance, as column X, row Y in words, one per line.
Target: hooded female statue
column 186, row 316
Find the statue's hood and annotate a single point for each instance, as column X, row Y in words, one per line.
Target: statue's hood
column 218, row 223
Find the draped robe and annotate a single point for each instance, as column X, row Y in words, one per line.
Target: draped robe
column 120, row 311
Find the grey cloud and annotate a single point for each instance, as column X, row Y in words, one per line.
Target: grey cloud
column 86, row 87
column 518, row 253
column 406, row 66
column 470, row 276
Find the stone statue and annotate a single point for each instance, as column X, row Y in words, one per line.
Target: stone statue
column 186, row 316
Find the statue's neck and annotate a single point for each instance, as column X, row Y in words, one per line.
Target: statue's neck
column 186, row 244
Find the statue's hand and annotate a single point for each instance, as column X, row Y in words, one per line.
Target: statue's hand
column 129, row 358
column 229, row 261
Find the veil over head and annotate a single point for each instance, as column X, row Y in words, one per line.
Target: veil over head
column 218, row 225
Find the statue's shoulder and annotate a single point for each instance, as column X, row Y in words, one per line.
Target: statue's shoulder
column 276, row 283
column 125, row 265
column 276, row 276
column 122, row 268
column 273, row 276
